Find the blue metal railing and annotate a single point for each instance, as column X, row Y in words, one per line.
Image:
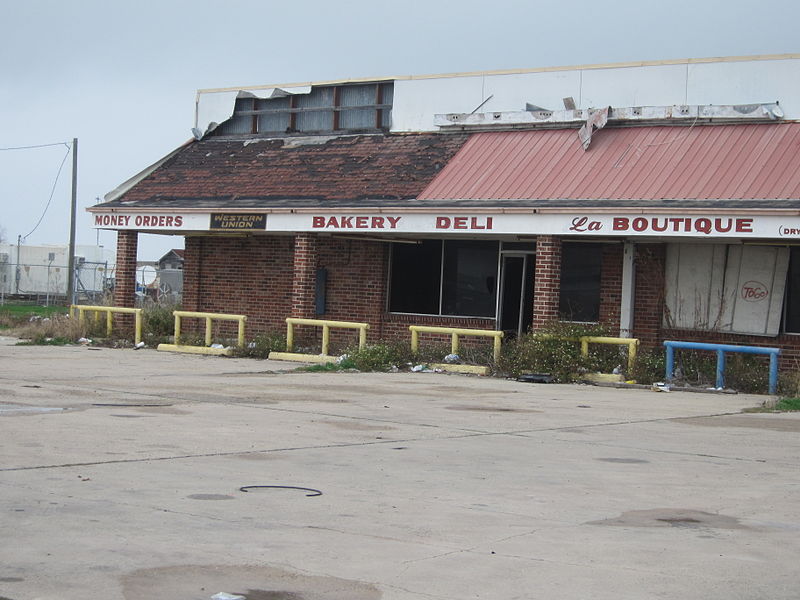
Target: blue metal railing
column 721, row 349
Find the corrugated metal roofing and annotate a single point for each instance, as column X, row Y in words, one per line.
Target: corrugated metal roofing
column 746, row 161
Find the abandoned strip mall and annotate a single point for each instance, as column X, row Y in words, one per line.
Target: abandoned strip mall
column 661, row 199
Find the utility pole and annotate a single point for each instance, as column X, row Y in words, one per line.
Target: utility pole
column 71, row 257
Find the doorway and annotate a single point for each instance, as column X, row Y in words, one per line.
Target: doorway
column 516, row 303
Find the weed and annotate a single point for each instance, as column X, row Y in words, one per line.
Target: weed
column 555, row 350
column 262, row 344
column 789, row 382
column 650, row 366
column 157, row 320
column 39, row 331
column 330, row 367
column 380, row 357
column 744, row 373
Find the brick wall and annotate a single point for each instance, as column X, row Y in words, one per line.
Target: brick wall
column 304, row 264
column 251, row 276
column 256, row 276
column 649, row 293
column 125, row 274
column 547, row 283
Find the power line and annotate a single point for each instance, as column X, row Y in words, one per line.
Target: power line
column 38, row 146
column 52, row 191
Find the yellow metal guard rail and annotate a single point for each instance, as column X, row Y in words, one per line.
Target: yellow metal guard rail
column 326, row 331
column 631, row 343
column 110, row 311
column 585, row 340
column 454, row 333
column 209, row 318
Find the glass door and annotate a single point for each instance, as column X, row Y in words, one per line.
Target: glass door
column 516, row 303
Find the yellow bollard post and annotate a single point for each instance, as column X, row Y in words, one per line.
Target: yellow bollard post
column 497, row 346
column 326, row 339
column 208, row 331
column 584, row 347
column 289, row 335
column 632, row 356
column 240, row 337
column 414, row 341
column 138, row 327
column 109, row 322
column 362, row 338
column 454, row 343
column 177, row 329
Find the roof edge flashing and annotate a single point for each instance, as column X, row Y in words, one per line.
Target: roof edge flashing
column 640, row 115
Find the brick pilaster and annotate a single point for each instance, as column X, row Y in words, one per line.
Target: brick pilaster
column 125, row 275
column 192, row 262
column 547, row 283
column 304, row 280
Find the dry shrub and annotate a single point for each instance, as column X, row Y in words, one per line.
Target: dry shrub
column 55, row 329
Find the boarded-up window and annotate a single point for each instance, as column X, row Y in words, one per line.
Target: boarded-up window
column 734, row 289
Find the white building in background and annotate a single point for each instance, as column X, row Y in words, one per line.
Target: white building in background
column 27, row 270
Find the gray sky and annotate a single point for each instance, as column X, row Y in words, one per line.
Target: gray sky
column 122, row 76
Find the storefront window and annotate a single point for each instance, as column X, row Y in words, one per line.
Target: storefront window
column 792, row 315
column 579, row 299
column 470, row 278
column 416, row 277
column 456, row 278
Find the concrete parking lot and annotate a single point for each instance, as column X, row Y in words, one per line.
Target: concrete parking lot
column 121, row 477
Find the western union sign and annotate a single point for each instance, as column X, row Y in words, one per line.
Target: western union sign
column 238, row 221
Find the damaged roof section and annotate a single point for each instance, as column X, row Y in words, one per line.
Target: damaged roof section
column 262, row 173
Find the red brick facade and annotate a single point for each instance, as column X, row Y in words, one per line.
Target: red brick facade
column 547, row 282
column 271, row 277
column 251, row 276
column 125, row 275
column 304, row 262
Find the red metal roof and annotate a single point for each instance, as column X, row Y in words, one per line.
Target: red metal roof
column 748, row 161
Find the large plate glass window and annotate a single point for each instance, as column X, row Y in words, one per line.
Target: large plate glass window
column 457, row 277
column 579, row 299
column 792, row 315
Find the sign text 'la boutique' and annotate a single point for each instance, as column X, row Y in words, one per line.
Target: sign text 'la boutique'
column 663, row 226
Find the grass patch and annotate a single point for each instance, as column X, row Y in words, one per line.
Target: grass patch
column 788, row 404
column 16, row 315
column 321, row 368
column 782, row 405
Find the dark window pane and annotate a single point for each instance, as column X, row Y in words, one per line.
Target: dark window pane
column 274, row 122
column 793, row 292
column 580, row 282
column 387, row 93
column 315, row 120
column 470, row 278
column 239, row 123
column 416, row 269
column 361, row 118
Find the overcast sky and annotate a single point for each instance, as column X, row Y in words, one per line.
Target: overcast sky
column 122, row 76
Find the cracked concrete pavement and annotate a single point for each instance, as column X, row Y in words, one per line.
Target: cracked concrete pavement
column 121, row 472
